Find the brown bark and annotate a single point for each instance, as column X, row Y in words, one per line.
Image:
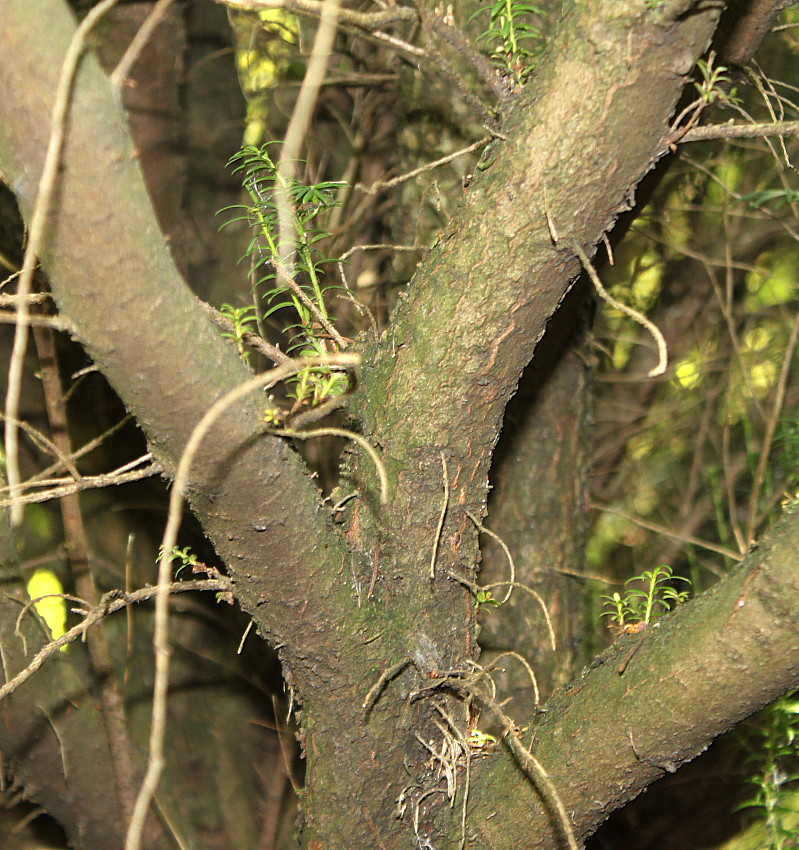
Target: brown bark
column 537, row 507
column 438, row 382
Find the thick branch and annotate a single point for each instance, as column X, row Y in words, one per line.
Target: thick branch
column 484, row 296
column 704, row 668
column 113, row 277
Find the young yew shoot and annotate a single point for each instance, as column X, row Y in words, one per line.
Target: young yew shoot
column 774, row 753
column 512, row 37
column 645, row 597
column 244, row 320
column 307, row 338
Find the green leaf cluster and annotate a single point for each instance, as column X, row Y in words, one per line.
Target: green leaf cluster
column 265, row 184
column 645, row 597
column 774, row 762
column 185, row 558
column 515, row 41
column 716, row 84
column 244, row 320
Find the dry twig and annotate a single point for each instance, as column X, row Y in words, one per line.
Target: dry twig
column 38, row 222
column 111, row 602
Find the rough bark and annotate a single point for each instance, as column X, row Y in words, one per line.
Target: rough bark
column 437, row 382
column 610, row 734
column 537, row 507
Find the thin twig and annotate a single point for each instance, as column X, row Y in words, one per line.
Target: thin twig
column 314, row 414
column 315, row 9
column 729, row 487
column 111, row 602
column 435, row 22
column 475, row 588
column 635, row 315
column 134, row 50
column 83, row 450
column 527, row 667
column 385, row 677
column 535, row 770
column 289, row 157
column 349, row 435
column 57, row 323
column 38, row 222
column 382, row 185
column 741, row 131
column 46, row 445
column 14, row 300
column 538, row 598
column 527, row 761
column 89, row 482
column 155, row 761
column 250, row 339
column 77, row 548
column 667, row 532
column 444, row 506
column 483, row 530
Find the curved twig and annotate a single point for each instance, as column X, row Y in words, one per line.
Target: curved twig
column 349, row 435
column 38, row 222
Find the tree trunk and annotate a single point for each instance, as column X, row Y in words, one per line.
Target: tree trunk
column 376, row 672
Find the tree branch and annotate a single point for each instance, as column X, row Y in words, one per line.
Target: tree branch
column 142, row 327
column 701, row 670
column 741, row 131
column 313, row 9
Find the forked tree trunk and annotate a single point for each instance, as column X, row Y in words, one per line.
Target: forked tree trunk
column 376, row 673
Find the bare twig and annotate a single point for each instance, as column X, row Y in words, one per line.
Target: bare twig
column 741, row 131
column 289, row 156
column 668, row 532
column 314, row 414
column 382, row 185
column 527, row 761
column 46, row 445
column 79, row 453
column 768, row 437
column 250, row 339
column 57, row 323
column 435, row 22
column 729, row 488
column 78, row 554
column 14, row 300
column 38, row 222
column 155, row 762
column 635, row 315
column 527, row 667
column 134, row 50
column 314, row 9
column 385, row 677
column 111, row 602
column 535, row 770
column 483, row 530
column 475, row 588
column 349, row 435
column 538, row 598
column 89, row 482
column 444, row 506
